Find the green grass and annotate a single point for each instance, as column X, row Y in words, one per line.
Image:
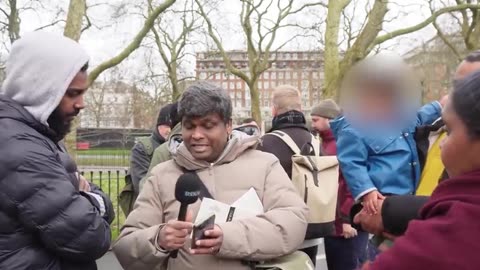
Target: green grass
column 112, row 188
column 104, row 151
column 104, row 157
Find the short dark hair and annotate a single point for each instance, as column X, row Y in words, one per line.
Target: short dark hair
column 84, row 68
column 465, row 100
column 203, row 98
column 248, row 120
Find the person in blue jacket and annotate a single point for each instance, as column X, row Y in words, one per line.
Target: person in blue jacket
column 375, row 142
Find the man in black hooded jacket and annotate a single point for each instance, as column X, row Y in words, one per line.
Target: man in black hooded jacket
column 50, row 217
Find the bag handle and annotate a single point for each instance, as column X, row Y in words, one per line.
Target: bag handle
column 287, row 140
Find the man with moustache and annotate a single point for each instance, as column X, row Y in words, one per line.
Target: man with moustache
column 50, row 217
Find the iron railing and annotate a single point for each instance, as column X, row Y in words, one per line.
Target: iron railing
column 111, row 181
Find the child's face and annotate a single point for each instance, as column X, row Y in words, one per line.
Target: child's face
column 376, row 101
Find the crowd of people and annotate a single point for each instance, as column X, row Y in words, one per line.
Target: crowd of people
column 408, row 175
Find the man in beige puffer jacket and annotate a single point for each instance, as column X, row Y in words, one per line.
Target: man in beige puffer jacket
column 228, row 165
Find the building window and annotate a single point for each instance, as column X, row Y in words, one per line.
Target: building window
column 232, row 85
column 280, row 75
column 288, row 75
column 238, row 103
column 224, row 85
column 273, row 75
column 295, row 75
column 218, row 76
column 260, row 85
column 266, row 75
column 232, row 95
column 239, row 85
column 238, row 94
column 203, row 75
column 315, row 75
column 266, row 85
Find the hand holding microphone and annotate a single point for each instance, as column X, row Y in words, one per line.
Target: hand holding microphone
column 176, row 232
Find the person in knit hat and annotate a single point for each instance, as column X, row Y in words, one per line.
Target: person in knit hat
column 321, row 113
column 142, row 151
column 347, row 249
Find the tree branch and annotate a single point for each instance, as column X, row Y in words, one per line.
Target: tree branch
column 423, row 24
column 133, row 45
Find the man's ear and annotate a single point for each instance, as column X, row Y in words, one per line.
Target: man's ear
column 229, row 126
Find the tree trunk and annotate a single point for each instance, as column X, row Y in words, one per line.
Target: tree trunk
column 174, row 82
column 13, row 22
column 73, row 30
column 331, row 66
column 255, row 98
column 76, row 12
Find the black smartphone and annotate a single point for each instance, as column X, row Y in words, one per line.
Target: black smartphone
column 199, row 230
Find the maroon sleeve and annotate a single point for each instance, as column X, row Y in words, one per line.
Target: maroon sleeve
column 345, row 200
column 445, row 242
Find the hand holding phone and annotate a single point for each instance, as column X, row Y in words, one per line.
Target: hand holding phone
column 199, row 230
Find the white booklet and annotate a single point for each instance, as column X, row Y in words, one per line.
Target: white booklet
column 249, row 205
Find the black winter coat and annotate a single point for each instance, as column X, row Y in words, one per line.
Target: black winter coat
column 45, row 222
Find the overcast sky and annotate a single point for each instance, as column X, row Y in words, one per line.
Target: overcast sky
column 110, row 35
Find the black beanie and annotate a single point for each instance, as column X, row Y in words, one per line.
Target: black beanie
column 164, row 116
column 168, row 115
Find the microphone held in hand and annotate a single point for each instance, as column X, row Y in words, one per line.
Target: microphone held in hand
column 187, row 191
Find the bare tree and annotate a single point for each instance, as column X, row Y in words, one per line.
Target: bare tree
column 171, row 43
column 367, row 39
column 134, row 44
column 12, row 23
column 260, row 32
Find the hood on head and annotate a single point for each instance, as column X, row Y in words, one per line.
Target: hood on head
column 238, row 143
column 39, row 69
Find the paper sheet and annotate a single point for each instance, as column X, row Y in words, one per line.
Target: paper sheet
column 249, row 205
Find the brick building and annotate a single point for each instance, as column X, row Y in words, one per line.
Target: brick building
column 302, row 69
column 435, row 64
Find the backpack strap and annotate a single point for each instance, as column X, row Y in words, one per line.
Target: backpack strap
column 287, row 140
column 316, row 145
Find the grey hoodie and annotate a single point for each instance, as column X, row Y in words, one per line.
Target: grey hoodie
column 39, row 69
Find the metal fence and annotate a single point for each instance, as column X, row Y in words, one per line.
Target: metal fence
column 111, row 181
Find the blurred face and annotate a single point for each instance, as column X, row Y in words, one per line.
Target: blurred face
column 459, row 150
column 206, row 137
column 374, row 100
column 70, row 105
column 320, row 123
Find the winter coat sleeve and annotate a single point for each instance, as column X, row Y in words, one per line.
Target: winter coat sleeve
column 136, row 247
column 398, row 211
column 109, row 215
column 434, row 243
column 279, row 231
column 429, row 113
column 139, row 163
column 36, row 189
column 353, row 156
